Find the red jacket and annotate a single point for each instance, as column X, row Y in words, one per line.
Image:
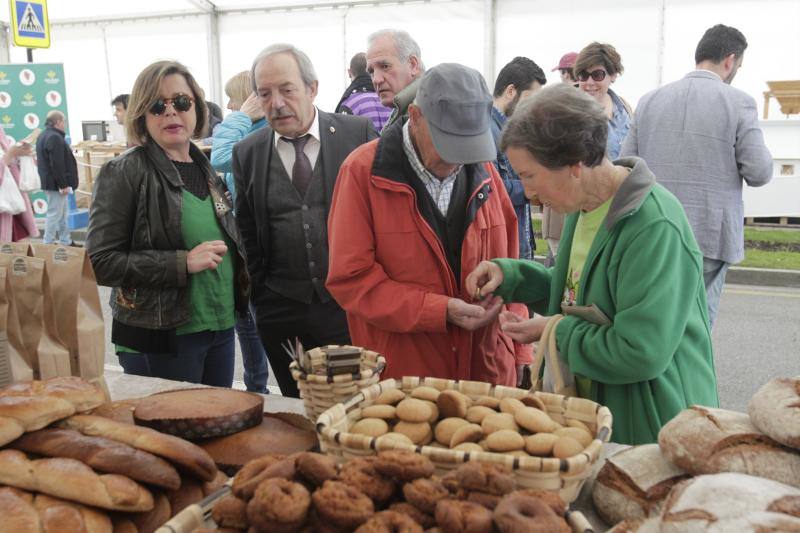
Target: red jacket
column 389, row 272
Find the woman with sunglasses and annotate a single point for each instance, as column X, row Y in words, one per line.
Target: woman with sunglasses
column 162, row 234
column 628, row 276
column 598, row 65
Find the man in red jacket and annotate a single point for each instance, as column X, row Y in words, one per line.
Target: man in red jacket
column 412, row 214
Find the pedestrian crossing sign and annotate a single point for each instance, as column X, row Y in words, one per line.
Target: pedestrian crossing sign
column 30, row 24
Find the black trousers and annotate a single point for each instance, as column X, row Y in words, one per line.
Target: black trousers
column 281, row 321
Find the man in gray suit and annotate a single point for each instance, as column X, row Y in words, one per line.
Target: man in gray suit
column 284, row 176
column 700, row 137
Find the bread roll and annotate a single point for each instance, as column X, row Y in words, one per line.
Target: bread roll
column 185, row 455
column 19, row 414
column 59, row 515
column 17, row 512
column 731, row 502
column 150, row 521
column 77, row 391
column 775, row 410
column 703, row 440
column 103, row 455
column 73, row 481
column 633, row 484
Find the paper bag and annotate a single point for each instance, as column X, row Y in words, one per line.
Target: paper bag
column 19, row 248
column 30, row 290
column 76, row 302
column 13, row 366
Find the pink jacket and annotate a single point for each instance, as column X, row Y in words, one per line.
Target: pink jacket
column 25, row 219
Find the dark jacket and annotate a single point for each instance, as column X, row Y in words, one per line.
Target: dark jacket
column 340, row 135
column 57, row 166
column 360, row 84
column 135, row 240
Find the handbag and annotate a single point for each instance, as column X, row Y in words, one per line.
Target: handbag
column 29, row 179
column 11, row 200
column 557, row 377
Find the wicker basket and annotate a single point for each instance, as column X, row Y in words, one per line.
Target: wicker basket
column 321, row 392
column 563, row 476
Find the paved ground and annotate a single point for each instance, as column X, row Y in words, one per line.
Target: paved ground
column 756, row 338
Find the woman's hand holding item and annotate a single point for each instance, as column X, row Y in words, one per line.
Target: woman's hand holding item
column 482, row 281
column 522, row 330
column 473, row 316
column 204, row 256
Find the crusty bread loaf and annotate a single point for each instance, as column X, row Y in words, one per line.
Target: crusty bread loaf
column 703, row 440
column 731, row 502
column 79, row 392
column 103, row 455
column 19, row 414
column 60, row 515
column 183, row 454
column 633, row 484
column 150, row 521
column 190, row 491
column 121, row 411
column 17, row 512
column 73, row 481
column 775, row 410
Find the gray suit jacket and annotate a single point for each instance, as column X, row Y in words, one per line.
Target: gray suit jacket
column 700, row 137
column 339, row 135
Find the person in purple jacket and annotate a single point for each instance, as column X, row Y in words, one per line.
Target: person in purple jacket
column 360, row 97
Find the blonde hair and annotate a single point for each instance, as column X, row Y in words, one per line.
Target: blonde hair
column 239, row 87
column 146, row 90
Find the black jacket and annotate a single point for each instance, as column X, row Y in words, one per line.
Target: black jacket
column 135, row 240
column 57, row 166
column 340, row 135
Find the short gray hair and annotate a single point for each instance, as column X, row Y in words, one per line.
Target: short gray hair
column 307, row 72
column 53, row 116
column 405, row 45
column 559, row 126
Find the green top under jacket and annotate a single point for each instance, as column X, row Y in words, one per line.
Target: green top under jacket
column 644, row 271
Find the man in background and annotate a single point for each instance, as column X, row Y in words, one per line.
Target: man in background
column 517, row 80
column 360, row 98
column 58, row 171
column 566, row 68
column 394, row 61
column 701, row 139
column 120, row 105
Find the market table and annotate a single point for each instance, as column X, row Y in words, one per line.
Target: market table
column 125, row 386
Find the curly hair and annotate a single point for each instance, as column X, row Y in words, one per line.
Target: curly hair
column 559, row 126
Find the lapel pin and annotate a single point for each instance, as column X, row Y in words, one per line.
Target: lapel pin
column 332, row 129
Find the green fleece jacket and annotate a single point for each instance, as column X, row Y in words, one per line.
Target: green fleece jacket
column 644, row 271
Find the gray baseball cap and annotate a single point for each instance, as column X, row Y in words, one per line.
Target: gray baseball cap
column 457, row 106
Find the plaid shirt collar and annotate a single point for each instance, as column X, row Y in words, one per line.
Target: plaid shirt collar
column 439, row 189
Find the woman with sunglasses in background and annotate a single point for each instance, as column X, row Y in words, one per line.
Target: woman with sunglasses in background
column 162, row 234
column 598, row 65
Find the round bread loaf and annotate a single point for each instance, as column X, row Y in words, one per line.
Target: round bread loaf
column 775, row 410
column 633, row 484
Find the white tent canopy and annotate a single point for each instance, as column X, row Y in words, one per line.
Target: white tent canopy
column 103, row 45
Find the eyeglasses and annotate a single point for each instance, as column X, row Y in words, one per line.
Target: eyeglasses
column 181, row 102
column 596, row 75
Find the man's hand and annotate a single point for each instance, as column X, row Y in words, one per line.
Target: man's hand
column 65, row 190
column 470, row 316
column 482, row 281
column 521, row 330
column 252, row 108
column 206, row 255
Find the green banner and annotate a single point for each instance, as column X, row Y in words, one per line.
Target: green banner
column 27, row 93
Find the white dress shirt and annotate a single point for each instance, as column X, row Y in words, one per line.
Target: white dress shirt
column 286, row 149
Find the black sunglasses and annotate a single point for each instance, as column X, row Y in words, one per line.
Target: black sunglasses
column 181, row 102
column 597, row 75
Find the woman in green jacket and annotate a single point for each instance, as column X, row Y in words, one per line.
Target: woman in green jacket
column 627, row 251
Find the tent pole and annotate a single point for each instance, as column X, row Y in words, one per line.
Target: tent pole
column 489, row 39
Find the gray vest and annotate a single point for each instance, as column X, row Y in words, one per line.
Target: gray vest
column 298, row 229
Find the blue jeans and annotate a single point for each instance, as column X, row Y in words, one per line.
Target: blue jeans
column 714, row 272
column 55, row 227
column 254, row 358
column 205, row 357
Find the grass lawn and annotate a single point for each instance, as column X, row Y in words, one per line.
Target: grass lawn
column 753, row 258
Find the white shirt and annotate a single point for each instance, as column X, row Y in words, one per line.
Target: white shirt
column 286, row 149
